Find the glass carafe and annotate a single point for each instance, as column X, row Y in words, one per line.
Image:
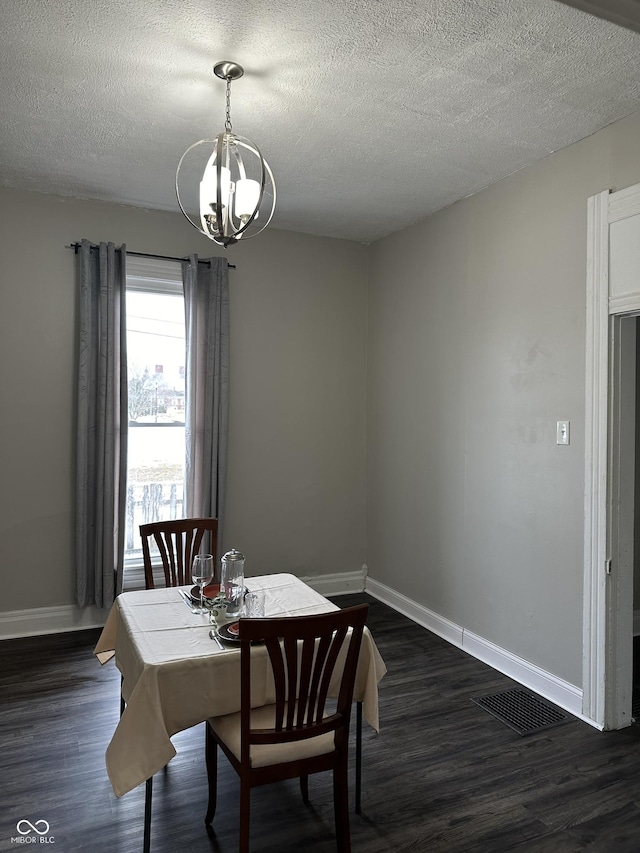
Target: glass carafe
column 232, row 582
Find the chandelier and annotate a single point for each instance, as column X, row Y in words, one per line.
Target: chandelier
column 237, row 192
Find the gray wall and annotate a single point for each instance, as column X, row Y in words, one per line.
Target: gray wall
column 476, row 348
column 296, row 498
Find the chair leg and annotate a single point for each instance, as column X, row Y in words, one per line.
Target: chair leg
column 211, row 757
column 245, row 816
column 358, row 757
column 146, row 846
column 341, row 807
column 304, row 789
column 122, row 703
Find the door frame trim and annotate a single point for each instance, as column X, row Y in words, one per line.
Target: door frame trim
column 603, row 694
column 595, row 441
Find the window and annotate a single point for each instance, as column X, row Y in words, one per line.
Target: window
column 156, row 386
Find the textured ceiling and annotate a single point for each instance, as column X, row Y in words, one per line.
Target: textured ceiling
column 372, row 114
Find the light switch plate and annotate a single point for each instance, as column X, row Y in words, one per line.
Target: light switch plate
column 562, row 432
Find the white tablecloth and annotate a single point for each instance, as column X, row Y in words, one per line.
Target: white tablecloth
column 175, row 676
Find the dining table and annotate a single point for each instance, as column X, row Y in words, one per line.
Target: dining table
column 174, row 674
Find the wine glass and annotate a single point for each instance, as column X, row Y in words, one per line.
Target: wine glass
column 202, row 573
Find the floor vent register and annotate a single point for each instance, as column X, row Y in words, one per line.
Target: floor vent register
column 523, row 711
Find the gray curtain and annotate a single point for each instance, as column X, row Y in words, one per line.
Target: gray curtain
column 101, row 425
column 206, row 297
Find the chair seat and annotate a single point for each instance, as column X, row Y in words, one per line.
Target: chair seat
column 227, row 729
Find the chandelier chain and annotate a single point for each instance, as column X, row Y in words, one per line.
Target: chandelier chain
column 227, row 124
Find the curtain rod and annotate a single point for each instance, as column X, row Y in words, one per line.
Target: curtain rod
column 76, row 246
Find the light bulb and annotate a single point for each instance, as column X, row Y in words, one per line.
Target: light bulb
column 247, row 197
column 209, row 188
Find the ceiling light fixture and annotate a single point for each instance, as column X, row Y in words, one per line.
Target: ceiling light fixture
column 236, row 185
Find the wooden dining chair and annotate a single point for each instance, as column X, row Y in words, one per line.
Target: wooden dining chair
column 299, row 734
column 177, row 542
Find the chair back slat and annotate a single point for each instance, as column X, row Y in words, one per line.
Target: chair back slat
column 277, row 667
column 291, row 657
column 305, row 711
column 330, row 662
column 322, row 649
column 170, row 551
column 177, row 546
column 178, row 542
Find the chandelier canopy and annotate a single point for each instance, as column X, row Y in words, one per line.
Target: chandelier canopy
column 237, row 193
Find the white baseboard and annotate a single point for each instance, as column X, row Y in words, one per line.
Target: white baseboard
column 339, row 583
column 562, row 693
column 49, row 620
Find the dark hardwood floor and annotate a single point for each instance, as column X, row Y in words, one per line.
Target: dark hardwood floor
column 442, row 776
